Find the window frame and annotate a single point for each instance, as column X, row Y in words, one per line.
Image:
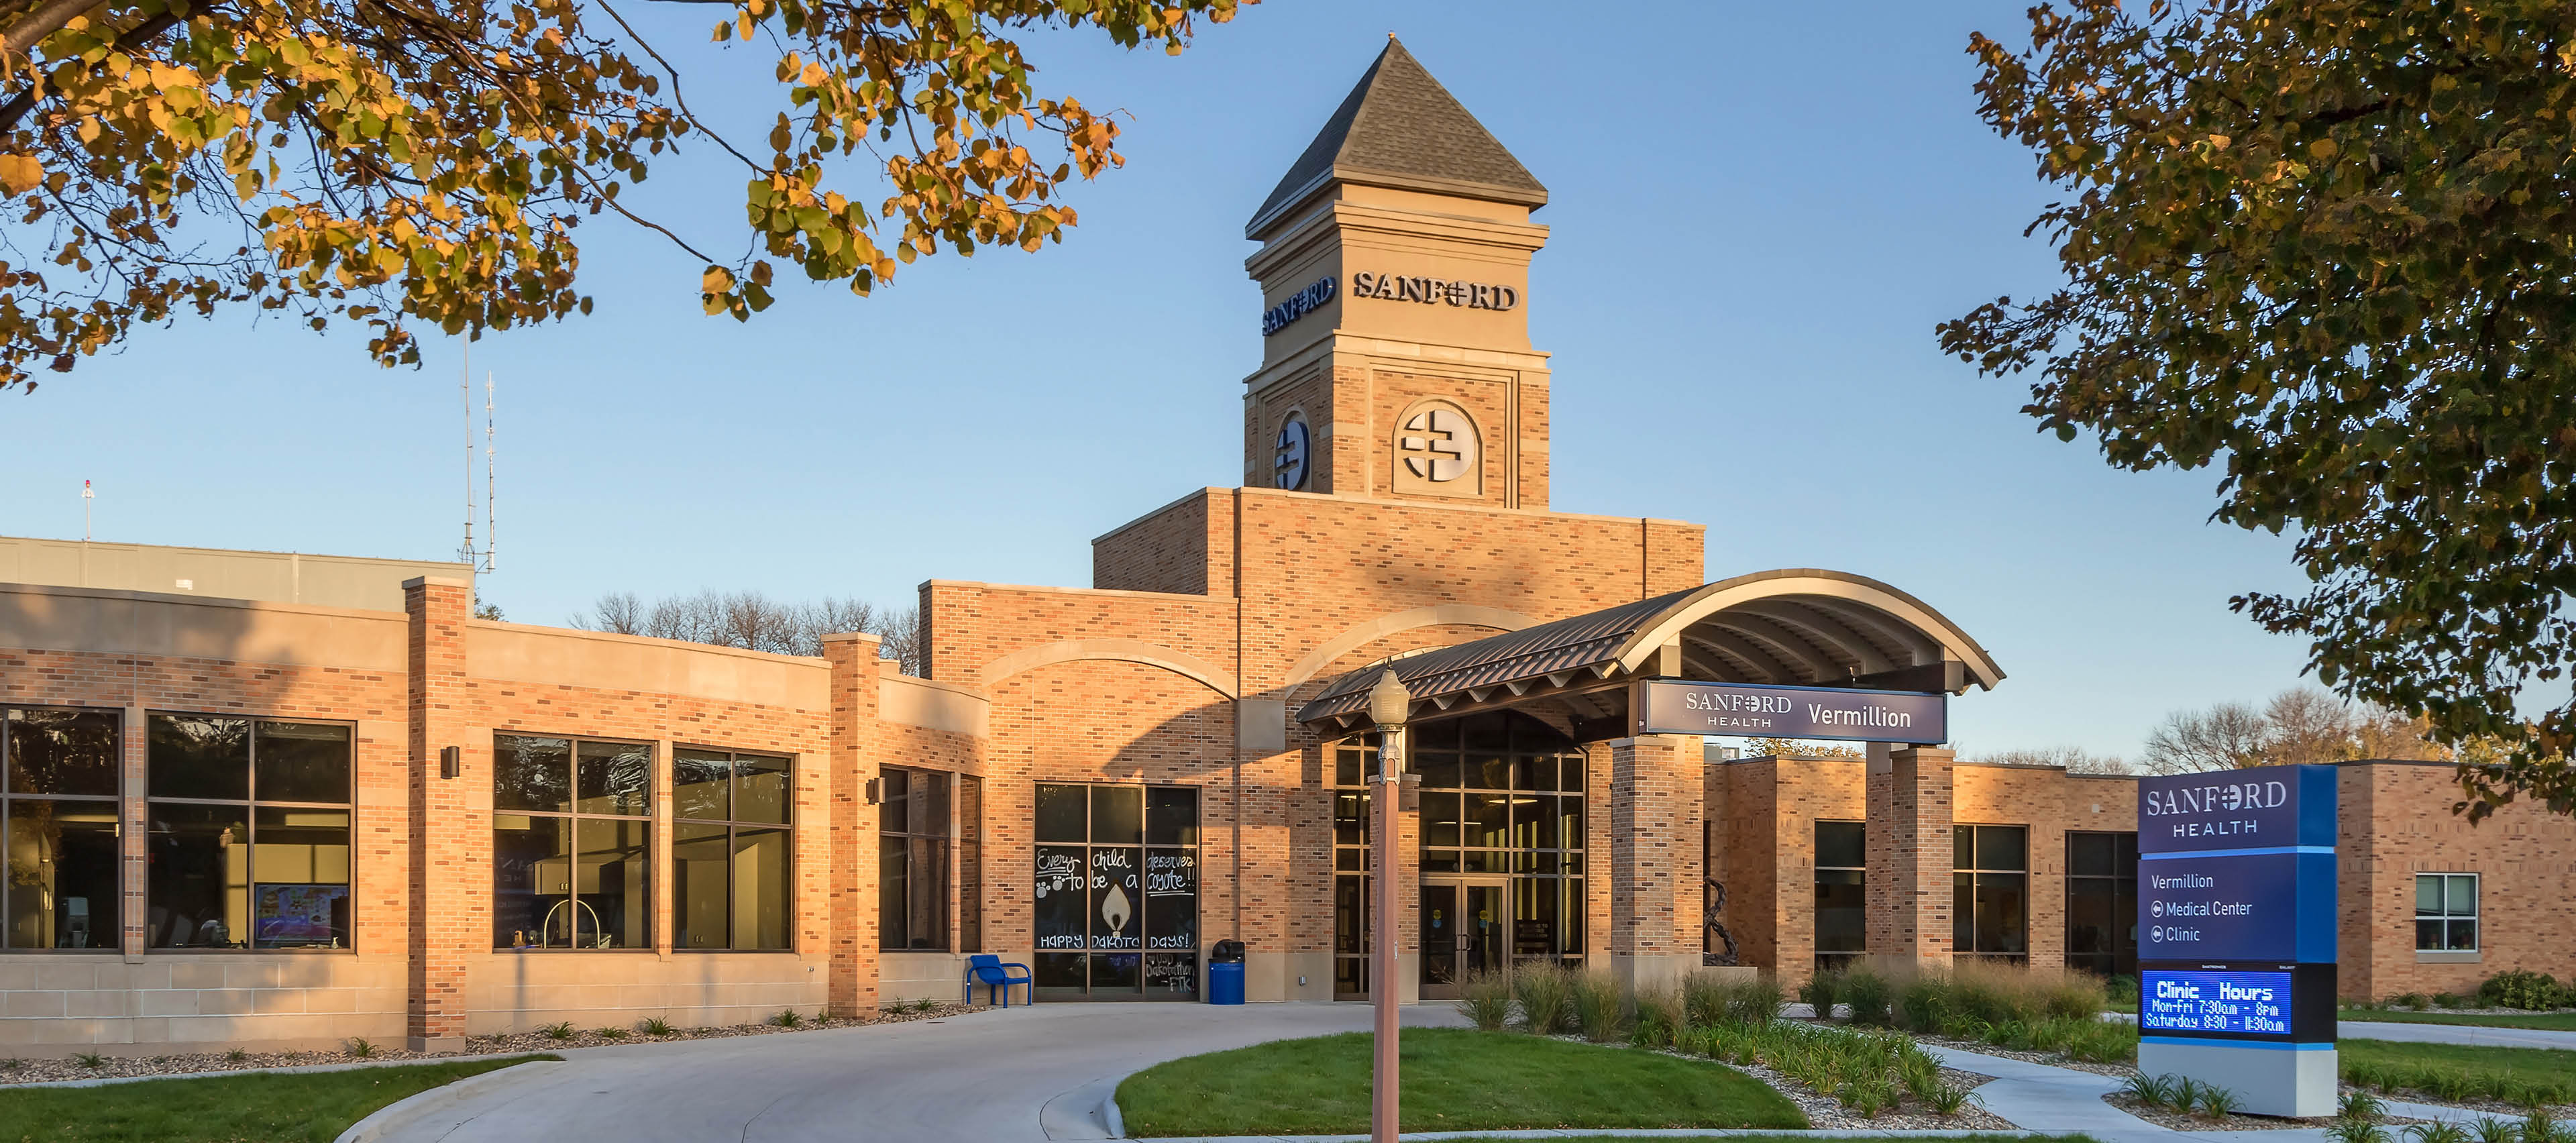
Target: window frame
column 733, row 830
column 1974, row 871
column 573, row 818
column 250, row 807
column 115, row 912
column 1143, row 845
column 1840, row 958
column 2123, row 883
column 949, row 934
column 2475, row 917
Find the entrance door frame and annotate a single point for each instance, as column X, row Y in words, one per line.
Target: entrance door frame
column 1454, row 886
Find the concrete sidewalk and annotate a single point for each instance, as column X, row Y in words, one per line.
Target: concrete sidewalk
column 2455, row 1034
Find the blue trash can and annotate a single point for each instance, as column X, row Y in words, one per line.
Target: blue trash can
column 1225, row 973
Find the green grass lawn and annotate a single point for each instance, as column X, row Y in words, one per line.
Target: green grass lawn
column 2543, row 1021
column 1453, row 1080
column 2548, row 1063
column 251, row 1108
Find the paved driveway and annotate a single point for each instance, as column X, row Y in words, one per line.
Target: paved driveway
column 1028, row 1074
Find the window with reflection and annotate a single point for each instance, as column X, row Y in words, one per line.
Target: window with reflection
column 1117, row 893
column 59, row 773
column 247, row 832
column 2446, row 912
column 912, row 858
column 572, row 840
column 2102, row 902
column 1842, row 888
column 731, row 857
column 1990, row 892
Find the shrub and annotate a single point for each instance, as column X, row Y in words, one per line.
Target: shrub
column 2449, row 1000
column 362, row 1048
column 1485, row 999
column 1754, row 1001
column 790, row 1018
column 2072, row 996
column 2345, row 1130
column 2410, row 1000
column 2522, row 989
column 1867, row 994
column 1600, row 1008
column 1546, row 993
column 2438, row 1133
column 562, row 1031
column 2490, row 1129
column 1659, row 1021
column 1923, row 1004
column 2218, row 1102
column 2104, row 1042
column 1948, row 1100
column 2360, row 1105
column 1703, row 999
column 1818, row 993
column 656, row 1026
column 2152, row 1091
column 2121, row 988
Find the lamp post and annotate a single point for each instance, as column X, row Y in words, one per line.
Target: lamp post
column 1388, row 704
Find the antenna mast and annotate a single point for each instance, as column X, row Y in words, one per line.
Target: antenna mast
column 491, row 522
column 480, row 559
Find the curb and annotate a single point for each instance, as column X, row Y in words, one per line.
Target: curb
column 383, row 1118
column 293, row 1070
column 1109, row 1112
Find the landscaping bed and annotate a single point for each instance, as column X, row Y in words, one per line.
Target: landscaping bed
column 303, row 1108
column 92, row 1065
column 2475, row 1077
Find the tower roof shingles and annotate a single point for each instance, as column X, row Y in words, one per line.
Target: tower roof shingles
column 1398, row 127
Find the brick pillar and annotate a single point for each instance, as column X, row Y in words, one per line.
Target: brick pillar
column 852, row 949
column 1658, row 810
column 1909, row 854
column 445, row 832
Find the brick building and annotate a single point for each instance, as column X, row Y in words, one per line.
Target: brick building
column 318, row 800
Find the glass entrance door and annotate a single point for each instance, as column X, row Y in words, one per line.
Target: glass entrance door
column 1466, row 927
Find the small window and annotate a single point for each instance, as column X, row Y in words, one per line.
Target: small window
column 912, row 859
column 2446, row 912
column 58, row 827
column 731, row 852
column 249, row 825
column 1842, row 890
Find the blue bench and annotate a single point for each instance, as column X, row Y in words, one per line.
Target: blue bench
column 997, row 977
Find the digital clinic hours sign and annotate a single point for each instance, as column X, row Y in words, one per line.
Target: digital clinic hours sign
column 2224, row 1002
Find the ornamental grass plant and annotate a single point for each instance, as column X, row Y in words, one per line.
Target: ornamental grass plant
column 1600, row 1006
column 1546, row 995
column 1485, row 999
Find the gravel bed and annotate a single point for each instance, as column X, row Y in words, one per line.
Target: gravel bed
column 14, row 1071
column 2052, row 1059
column 1827, row 1113
column 2179, row 1121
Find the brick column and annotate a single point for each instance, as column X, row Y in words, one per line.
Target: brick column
column 852, row 949
column 445, row 833
column 1658, row 810
column 1909, row 854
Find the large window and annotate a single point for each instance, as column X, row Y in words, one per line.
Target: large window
column 572, row 830
column 730, row 851
column 249, row 833
column 1990, row 892
column 1842, row 886
column 912, row 859
column 2446, row 912
column 1502, row 798
column 1117, row 902
column 2102, row 903
column 58, row 782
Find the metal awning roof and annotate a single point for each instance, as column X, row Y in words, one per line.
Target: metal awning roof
column 1795, row 626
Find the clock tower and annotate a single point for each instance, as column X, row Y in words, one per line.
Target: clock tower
column 1394, row 271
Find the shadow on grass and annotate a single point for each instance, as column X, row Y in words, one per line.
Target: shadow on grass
column 1452, row 1080
column 254, row 1107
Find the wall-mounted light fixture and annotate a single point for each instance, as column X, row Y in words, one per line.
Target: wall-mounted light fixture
column 451, row 761
column 876, row 790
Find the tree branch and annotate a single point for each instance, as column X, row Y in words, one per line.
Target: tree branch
column 20, row 104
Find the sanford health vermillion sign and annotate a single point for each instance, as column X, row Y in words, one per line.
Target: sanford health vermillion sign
column 1664, row 706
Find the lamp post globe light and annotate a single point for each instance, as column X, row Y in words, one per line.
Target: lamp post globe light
column 1388, row 704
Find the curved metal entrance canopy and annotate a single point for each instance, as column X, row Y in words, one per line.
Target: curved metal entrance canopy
column 1795, row 627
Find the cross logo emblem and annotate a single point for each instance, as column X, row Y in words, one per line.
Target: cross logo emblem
column 1436, row 445
column 1288, row 454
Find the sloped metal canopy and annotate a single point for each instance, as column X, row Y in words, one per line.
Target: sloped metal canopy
column 1794, row 626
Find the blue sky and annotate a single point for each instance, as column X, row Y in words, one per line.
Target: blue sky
column 1759, row 212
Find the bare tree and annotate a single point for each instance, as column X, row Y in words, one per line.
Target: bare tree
column 755, row 622
column 2299, row 726
column 2075, row 759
